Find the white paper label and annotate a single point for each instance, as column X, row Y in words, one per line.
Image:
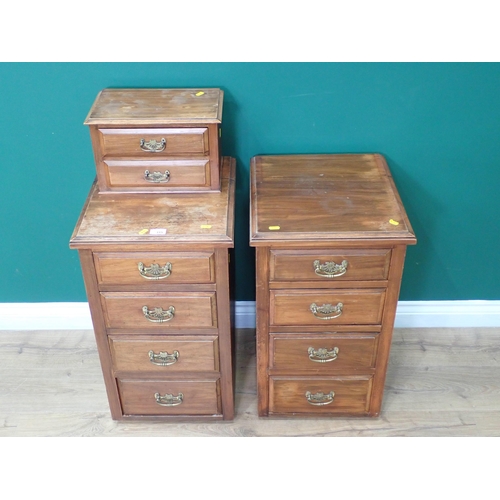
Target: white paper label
column 157, row 231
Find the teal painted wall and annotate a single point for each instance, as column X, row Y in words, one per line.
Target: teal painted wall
column 437, row 124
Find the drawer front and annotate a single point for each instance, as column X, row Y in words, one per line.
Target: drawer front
column 159, row 174
column 329, row 265
column 321, row 353
column 169, row 397
column 319, row 395
column 165, row 354
column 154, row 141
column 160, row 310
column 153, row 268
column 326, row 307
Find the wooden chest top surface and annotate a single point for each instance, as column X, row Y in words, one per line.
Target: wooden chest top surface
column 302, row 198
column 152, row 219
column 127, row 107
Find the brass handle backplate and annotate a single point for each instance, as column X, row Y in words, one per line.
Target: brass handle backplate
column 330, row 269
column 323, row 355
column 158, row 315
column 156, row 177
column 319, row 399
column 326, row 311
column 169, row 399
column 163, row 358
column 153, row 146
column 155, row 271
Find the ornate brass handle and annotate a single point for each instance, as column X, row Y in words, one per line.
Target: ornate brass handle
column 319, row 399
column 158, row 315
column 156, row 177
column 330, row 269
column 169, row 399
column 326, row 311
column 155, row 271
column 153, row 146
column 163, row 358
column 323, row 355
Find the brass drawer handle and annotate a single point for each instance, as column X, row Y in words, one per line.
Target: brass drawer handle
column 330, row 269
column 323, row 355
column 153, row 146
column 156, row 177
column 326, row 311
column 319, row 399
column 158, row 315
column 169, row 399
column 163, row 358
column 155, row 271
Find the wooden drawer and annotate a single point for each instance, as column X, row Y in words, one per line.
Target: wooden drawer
column 174, row 309
column 157, row 175
column 199, row 397
column 351, row 395
column 157, row 142
column 326, row 307
column 322, row 354
column 329, row 265
column 154, row 268
column 173, row 354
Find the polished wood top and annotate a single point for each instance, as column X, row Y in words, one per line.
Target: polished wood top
column 154, row 219
column 127, row 107
column 325, row 198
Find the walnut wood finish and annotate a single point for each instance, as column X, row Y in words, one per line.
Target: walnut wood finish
column 360, row 306
column 341, row 199
column 178, row 141
column 190, row 220
column 191, row 310
column 351, row 395
column 115, row 233
column 290, row 353
column 290, row 265
column 126, row 124
column 126, row 107
column 133, row 174
column 185, row 267
column 195, row 354
column 308, row 211
column 200, row 397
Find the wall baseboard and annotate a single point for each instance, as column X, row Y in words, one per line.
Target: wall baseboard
column 416, row 314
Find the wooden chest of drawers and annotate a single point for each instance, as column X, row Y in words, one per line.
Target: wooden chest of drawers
column 156, row 273
column 330, row 233
column 156, row 140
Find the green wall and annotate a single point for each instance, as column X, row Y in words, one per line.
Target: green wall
column 437, row 124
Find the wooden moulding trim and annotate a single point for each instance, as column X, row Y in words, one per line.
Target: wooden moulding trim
column 331, row 240
column 121, row 243
column 173, row 418
column 383, row 164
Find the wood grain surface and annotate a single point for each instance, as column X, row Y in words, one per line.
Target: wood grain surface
column 325, row 198
column 156, row 106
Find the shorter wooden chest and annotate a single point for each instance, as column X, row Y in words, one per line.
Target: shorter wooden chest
column 330, row 233
column 156, row 140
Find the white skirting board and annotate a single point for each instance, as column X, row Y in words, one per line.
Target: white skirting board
column 415, row 314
